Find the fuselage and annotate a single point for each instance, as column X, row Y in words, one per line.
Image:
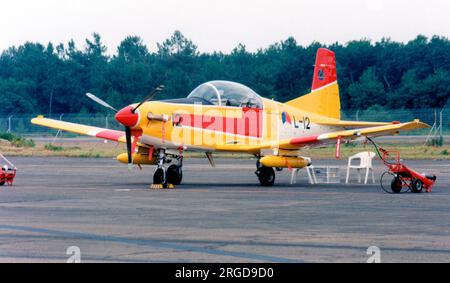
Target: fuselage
column 209, row 127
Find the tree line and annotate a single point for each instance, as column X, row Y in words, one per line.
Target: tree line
column 50, row 79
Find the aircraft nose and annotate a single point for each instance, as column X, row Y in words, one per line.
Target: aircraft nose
column 127, row 118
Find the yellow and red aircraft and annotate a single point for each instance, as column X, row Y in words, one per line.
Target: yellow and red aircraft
column 222, row 116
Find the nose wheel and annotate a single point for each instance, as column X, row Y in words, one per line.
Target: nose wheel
column 174, row 174
column 160, row 177
column 167, row 178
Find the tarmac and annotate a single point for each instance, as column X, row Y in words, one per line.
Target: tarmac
column 217, row 215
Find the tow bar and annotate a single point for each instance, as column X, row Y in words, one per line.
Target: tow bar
column 402, row 176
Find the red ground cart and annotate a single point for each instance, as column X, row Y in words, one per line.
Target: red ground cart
column 402, row 176
column 7, row 171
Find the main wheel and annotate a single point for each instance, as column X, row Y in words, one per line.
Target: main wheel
column 396, row 185
column 266, row 176
column 159, row 178
column 2, row 183
column 174, row 174
column 417, row 186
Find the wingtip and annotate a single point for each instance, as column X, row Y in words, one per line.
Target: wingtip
column 421, row 124
column 34, row 120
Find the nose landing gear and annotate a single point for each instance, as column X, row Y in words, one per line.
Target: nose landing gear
column 175, row 172
column 167, row 178
column 160, row 177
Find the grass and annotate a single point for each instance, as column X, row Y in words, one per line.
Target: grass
column 66, row 149
column 17, row 141
column 406, row 151
column 52, row 147
column 100, row 149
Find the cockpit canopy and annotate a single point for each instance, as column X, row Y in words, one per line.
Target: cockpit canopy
column 225, row 93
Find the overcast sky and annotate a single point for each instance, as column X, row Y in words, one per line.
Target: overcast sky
column 220, row 25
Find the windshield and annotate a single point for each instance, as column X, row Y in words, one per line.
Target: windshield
column 226, row 93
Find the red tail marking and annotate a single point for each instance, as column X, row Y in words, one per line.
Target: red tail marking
column 325, row 68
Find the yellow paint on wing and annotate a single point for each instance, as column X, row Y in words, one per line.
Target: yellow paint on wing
column 66, row 126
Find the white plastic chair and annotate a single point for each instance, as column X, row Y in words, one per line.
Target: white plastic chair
column 365, row 162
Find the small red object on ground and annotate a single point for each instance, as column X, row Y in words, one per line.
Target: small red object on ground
column 7, row 173
column 404, row 177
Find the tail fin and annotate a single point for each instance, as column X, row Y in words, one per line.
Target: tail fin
column 324, row 97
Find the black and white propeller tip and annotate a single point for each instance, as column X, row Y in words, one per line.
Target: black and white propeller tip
column 101, row 102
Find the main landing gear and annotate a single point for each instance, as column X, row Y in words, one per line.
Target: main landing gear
column 167, row 178
column 266, row 175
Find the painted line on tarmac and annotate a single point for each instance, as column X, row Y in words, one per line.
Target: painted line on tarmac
column 148, row 243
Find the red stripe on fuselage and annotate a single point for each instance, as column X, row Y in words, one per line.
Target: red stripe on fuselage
column 250, row 125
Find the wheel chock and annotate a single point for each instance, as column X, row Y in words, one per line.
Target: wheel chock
column 156, row 187
column 161, row 186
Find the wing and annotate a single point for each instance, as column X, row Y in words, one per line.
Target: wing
column 316, row 140
column 102, row 133
column 347, row 124
column 391, row 129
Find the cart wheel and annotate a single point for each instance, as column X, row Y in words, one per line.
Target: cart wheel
column 396, row 185
column 417, row 186
column 2, row 183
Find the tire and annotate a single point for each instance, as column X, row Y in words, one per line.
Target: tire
column 2, row 183
column 159, row 178
column 174, row 174
column 417, row 186
column 396, row 185
column 266, row 176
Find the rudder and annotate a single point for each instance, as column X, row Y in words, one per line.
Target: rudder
column 324, row 97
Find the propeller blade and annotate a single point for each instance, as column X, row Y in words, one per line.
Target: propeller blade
column 150, row 96
column 129, row 149
column 101, row 102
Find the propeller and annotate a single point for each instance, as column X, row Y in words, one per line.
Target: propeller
column 101, row 102
column 150, row 96
column 127, row 117
column 129, row 146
